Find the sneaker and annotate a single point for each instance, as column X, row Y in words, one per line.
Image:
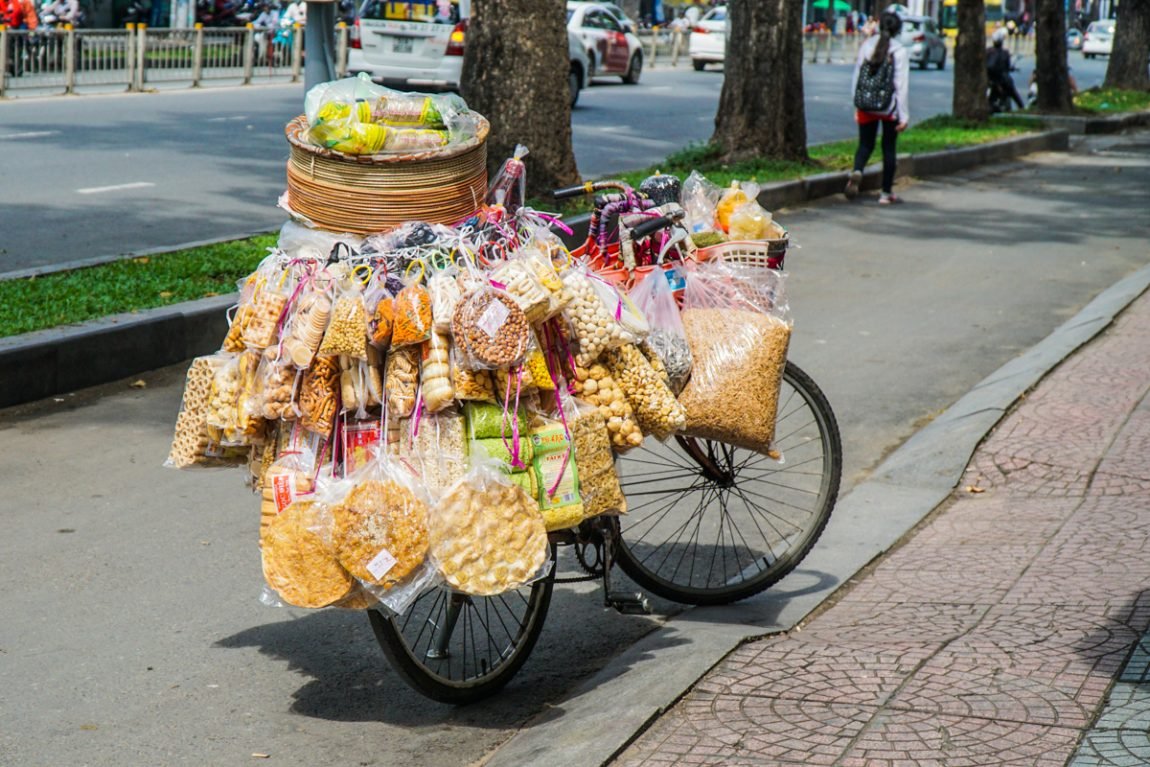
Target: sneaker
column 889, row 199
column 853, row 184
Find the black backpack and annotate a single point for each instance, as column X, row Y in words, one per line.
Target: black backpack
column 875, row 89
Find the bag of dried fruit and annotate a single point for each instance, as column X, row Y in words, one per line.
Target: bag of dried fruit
column 738, row 327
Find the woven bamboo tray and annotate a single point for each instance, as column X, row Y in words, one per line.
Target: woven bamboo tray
column 364, row 194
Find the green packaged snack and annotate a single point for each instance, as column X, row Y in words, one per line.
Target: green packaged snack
column 558, row 478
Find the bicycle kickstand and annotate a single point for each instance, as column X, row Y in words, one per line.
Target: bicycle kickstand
column 626, row 602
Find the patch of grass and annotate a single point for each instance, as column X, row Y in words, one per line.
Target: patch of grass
column 931, row 135
column 130, row 285
column 1112, row 100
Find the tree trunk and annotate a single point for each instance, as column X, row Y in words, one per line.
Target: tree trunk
column 761, row 105
column 1052, row 74
column 969, row 101
column 515, row 67
column 1129, row 61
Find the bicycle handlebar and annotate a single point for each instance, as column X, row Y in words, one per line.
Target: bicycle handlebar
column 590, row 187
column 651, row 226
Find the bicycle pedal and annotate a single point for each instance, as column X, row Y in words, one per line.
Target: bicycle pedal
column 633, row 603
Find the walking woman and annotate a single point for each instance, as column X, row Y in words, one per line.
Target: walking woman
column 882, row 88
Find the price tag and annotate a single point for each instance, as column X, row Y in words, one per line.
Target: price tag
column 381, row 564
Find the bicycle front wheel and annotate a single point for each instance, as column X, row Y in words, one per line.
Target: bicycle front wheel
column 710, row 523
column 459, row 649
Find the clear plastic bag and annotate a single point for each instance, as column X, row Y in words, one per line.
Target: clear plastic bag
column 519, row 280
column 596, row 385
column 319, row 395
column 655, row 297
column 509, row 187
column 379, row 526
column 401, row 381
column 435, row 372
column 700, row 198
column 656, row 409
column 412, row 322
column 290, row 478
column 738, row 195
column 598, row 483
column 443, row 288
column 262, row 323
column 596, row 316
column 194, row 442
column 306, row 326
column 737, row 323
column 347, row 330
column 439, row 445
column 557, row 474
column 750, row 222
column 470, row 385
column 490, row 329
column 487, row 536
column 299, row 559
column 278, row 379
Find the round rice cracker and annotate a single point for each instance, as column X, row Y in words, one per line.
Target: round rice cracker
column 488, row 541
column 378, row 516
column 298, row 563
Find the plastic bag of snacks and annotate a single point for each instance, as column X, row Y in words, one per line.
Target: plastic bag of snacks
column 470, row 385
column 557, row 474
column 379, row 524
column 192, row 442
column 234, row 340
column 382, row 320
column 738, row 325
column 306, row 325
column 736, row 196
column 600, row 317
column 319, row 395
column 290, row 478
column 486, row 534
column 594, row 461
column 667, row 339
column 439, row 445
column 412, row 322
column 700, row 198
column 277, row 380
column 347, row 330
column 299, row 558
column 356, row 116
column 490, row 329
column 518, row 279
column 595, row 385
column 435, row 372
column 656, row 409
column 443, row 287
column 401, row 381
column 509, row 187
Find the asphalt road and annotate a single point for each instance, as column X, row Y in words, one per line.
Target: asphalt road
column 99, row 176
column 131, row 630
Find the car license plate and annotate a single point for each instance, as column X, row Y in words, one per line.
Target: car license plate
column 402, row 45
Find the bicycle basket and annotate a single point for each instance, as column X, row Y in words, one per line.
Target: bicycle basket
column 765, row 254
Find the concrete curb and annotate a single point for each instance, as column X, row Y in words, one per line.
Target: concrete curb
column 38, row 365
column 42, row 364
column 607, row 712
column 1086, row 126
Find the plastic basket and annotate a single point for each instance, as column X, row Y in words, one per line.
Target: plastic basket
column 764, row 254
column 365, row 194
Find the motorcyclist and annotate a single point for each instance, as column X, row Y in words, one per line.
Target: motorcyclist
column 998, row 67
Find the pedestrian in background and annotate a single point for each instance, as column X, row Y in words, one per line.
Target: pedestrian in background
column 881, row 54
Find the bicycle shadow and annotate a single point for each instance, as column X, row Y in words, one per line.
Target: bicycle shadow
column 348, row 679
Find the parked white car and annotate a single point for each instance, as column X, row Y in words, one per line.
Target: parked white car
column 921, row 39
column 708, row 41
column 418, row 45
column 1099, row 39
column 610, row 49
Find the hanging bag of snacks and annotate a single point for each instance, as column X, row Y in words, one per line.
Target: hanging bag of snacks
column 738, row 326
column 667, row 340
column 412, row 310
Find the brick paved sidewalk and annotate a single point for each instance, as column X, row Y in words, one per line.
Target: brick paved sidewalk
column 993, row 634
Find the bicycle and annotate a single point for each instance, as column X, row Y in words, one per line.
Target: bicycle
column 708, row 524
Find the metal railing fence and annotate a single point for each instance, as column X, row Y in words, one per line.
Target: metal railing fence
column 65, row 61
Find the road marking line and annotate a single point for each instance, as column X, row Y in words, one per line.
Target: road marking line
column 226, row 119
column 116, row 188
column 31, row 134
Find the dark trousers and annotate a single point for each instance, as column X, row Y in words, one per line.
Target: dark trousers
column 868, row 132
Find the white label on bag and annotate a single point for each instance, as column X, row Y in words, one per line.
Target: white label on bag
column 493, row 318
column 381, row 564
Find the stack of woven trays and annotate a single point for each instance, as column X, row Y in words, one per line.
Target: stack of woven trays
column 364, row 194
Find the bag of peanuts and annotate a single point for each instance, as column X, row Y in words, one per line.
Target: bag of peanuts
column 738, row 326
column 490, row 329
column 655, row 297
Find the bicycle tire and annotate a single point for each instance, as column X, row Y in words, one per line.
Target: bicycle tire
column 455, row 678
column 793, row 499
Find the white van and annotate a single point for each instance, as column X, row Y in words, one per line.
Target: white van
column 419, row 43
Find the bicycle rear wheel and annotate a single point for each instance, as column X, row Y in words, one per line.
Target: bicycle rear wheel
column 710, row 523
column 459, row 649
